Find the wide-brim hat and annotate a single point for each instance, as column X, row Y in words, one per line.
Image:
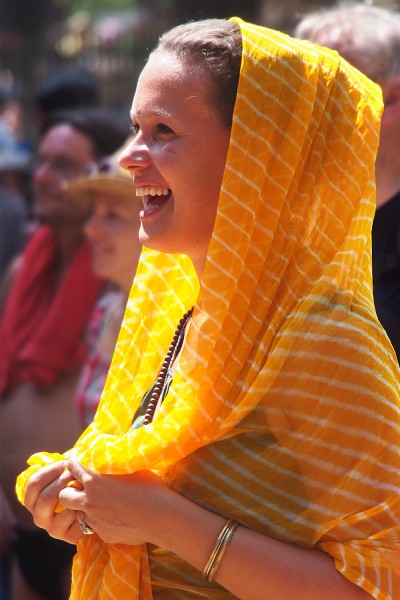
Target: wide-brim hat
column 106, row 177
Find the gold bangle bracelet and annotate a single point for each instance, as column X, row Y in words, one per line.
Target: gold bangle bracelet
column 219, row 550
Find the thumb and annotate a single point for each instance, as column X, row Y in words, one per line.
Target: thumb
column 76, row 474
column 79, row 472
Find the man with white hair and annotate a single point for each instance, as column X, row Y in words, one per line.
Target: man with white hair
column 369, row 38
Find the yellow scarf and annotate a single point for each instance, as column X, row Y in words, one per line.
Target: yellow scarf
column 284, row 321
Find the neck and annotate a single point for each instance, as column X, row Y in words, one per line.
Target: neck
column 388, row 162
column 126, row 288
column 125, row 282
column 388, row 181
column 199, row 264
column 69, row 239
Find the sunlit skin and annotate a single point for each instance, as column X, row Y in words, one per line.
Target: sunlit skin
column 63, row 155
column 180, row 144
column 112, row 231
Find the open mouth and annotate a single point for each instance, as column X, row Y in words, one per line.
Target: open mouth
column 153, row 197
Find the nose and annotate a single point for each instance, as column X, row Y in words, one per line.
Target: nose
column 135, row 156
column 43, row 173
column 92, row 228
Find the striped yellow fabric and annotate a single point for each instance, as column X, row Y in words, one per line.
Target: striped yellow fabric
column 284, row 412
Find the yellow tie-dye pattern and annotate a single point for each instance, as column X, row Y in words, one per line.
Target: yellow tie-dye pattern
column 284, row 344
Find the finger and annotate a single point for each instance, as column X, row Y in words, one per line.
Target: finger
column 84, row 525
column 74, row 484
column 40, row 480
column 76, row 469
column 72, row 497
column 74, row 533
column 65, row 527
column 47, row 500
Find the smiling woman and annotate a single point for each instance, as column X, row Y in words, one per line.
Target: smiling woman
column 112, row 231
column 267, row 462
column 113, row 225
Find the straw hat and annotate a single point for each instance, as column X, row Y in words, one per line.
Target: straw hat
column 106, row 177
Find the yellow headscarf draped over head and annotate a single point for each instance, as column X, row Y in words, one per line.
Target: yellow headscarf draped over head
column 284, row 321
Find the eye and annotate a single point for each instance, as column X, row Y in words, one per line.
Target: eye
column 134, row 128
column 156, row 130
column 163, row 129
column 112, row 215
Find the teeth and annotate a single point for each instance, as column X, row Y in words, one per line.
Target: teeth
column 151, row 191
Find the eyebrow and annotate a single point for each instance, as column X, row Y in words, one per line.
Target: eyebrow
column 158, row 112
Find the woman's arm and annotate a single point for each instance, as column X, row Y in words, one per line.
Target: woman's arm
column 256, row 566
column 133, row 509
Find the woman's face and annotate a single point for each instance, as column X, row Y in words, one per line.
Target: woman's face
column 112, row 231
column 177, row 157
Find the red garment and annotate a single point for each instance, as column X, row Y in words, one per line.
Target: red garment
column 42, row 331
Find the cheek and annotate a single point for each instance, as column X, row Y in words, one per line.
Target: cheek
column 96, row 230
column 120, row 239
column 212, row 161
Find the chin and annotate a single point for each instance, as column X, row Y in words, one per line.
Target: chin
column 159, row 242
column 42, row 214
column 100, row 269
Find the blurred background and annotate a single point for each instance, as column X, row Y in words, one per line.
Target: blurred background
column 108, row 39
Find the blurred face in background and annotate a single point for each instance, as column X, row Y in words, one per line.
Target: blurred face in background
column 64, row 154
column 113, row 233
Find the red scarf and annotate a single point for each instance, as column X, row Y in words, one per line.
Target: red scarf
column 42, row 331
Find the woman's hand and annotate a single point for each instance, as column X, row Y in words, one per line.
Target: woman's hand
column 41, row 499
column 123, row 509
column 138, row 508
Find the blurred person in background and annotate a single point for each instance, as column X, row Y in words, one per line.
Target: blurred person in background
column 113, row 234
column 14, row 170
column 66, row 89
column 49, row 292
column 369, row 38
column 11, row 109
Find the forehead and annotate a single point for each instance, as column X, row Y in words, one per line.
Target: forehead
column 63, row 139
column 115, row 201
column 168, row 86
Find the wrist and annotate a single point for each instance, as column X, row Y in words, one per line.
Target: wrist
column 186, row 529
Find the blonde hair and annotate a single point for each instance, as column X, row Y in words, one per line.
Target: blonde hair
column 368, row 36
